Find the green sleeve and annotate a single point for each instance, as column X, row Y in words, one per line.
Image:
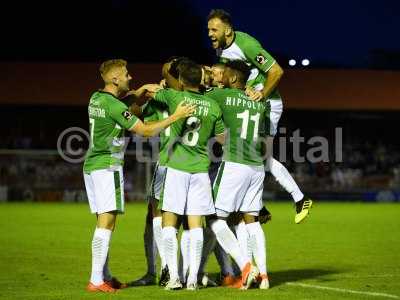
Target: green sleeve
column 256, row 54
column 219, row 127
column 164, row 95
column 151, row 118
column 119, row 113
column 148, row 112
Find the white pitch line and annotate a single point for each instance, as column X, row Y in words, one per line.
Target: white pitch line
column 320, row 287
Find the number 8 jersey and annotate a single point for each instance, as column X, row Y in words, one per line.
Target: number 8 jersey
column 188, row 144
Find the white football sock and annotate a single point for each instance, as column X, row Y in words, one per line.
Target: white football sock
column 185, row 255
column 223, row 260
column 100, row 244
column 284, row 178
column 243, row 238
column 150, row 248
column 196, row 249
column 170, row 244
column 208, row 246
column 257, row 245
column 157, row 232
column 228, row 242
column 106, row 271
column 235, row 267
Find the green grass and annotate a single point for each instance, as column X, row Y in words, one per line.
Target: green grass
column 45, row 253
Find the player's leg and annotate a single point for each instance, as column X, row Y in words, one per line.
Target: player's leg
column 100, row 253
column 278, row 170
column 233, row 219
column 227, row 275
column 170, row 243
column 152, row 231
column 172, row 202
column 195, row 250
column 199, row 203
column 157, row 217
column 89, row 185
column 209, row 244
column 228, row 189
column 184, row 261
column 223, row 259
column 257, row 246
column 252, row 204
column 106, row 198
column 242, row 236
column 150, row 251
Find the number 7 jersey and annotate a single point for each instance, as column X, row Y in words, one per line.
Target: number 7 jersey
column 188, row 143
column 245, row 120
column 108, row 119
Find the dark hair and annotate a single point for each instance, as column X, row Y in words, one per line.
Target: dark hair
column 221, row 14
column 219, row 65
column 175, row 65
column 240, row 68
column 190, row 73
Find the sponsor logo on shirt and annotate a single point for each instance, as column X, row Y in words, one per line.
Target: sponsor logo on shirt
column 261, row 59
column 127, row 115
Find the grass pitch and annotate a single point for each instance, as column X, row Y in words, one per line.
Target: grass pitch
column 343, row 251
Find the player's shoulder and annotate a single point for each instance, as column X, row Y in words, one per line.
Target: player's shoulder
column 211, row 91
column 105, row 99
column 218, row 94
column 244, row 36
column 214, row 104
column 244, row 39
column 169, row 91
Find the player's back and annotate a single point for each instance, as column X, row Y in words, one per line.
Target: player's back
column 188, row 149
column 156, row 111
column 245, row 122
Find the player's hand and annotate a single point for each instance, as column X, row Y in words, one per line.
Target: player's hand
column 152, row 87
column 163, row 84
column 130, row 93
column 254, row 95
column 184, row 110
column 264, row 215
column 207, row 68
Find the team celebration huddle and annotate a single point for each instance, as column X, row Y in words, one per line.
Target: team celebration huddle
column 231, row 108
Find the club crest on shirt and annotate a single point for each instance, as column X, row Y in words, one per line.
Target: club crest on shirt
column 261, row 59
column 127, row 115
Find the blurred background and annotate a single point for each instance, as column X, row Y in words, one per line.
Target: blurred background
column 341, row 83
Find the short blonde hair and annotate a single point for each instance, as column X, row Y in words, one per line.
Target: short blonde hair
column 111, row 64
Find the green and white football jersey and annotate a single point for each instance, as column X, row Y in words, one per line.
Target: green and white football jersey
column 249, row 50
column 157, row 111
column 108, row 119
column 187, row 147
column 245, row 121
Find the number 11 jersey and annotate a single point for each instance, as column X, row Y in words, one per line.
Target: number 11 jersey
column 245, row 121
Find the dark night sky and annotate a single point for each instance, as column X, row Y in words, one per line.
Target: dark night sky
column 350, row 34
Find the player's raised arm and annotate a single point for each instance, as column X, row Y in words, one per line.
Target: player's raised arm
column 273, row 75
column 182, row 111
column 142, row 91
column 265, row 63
